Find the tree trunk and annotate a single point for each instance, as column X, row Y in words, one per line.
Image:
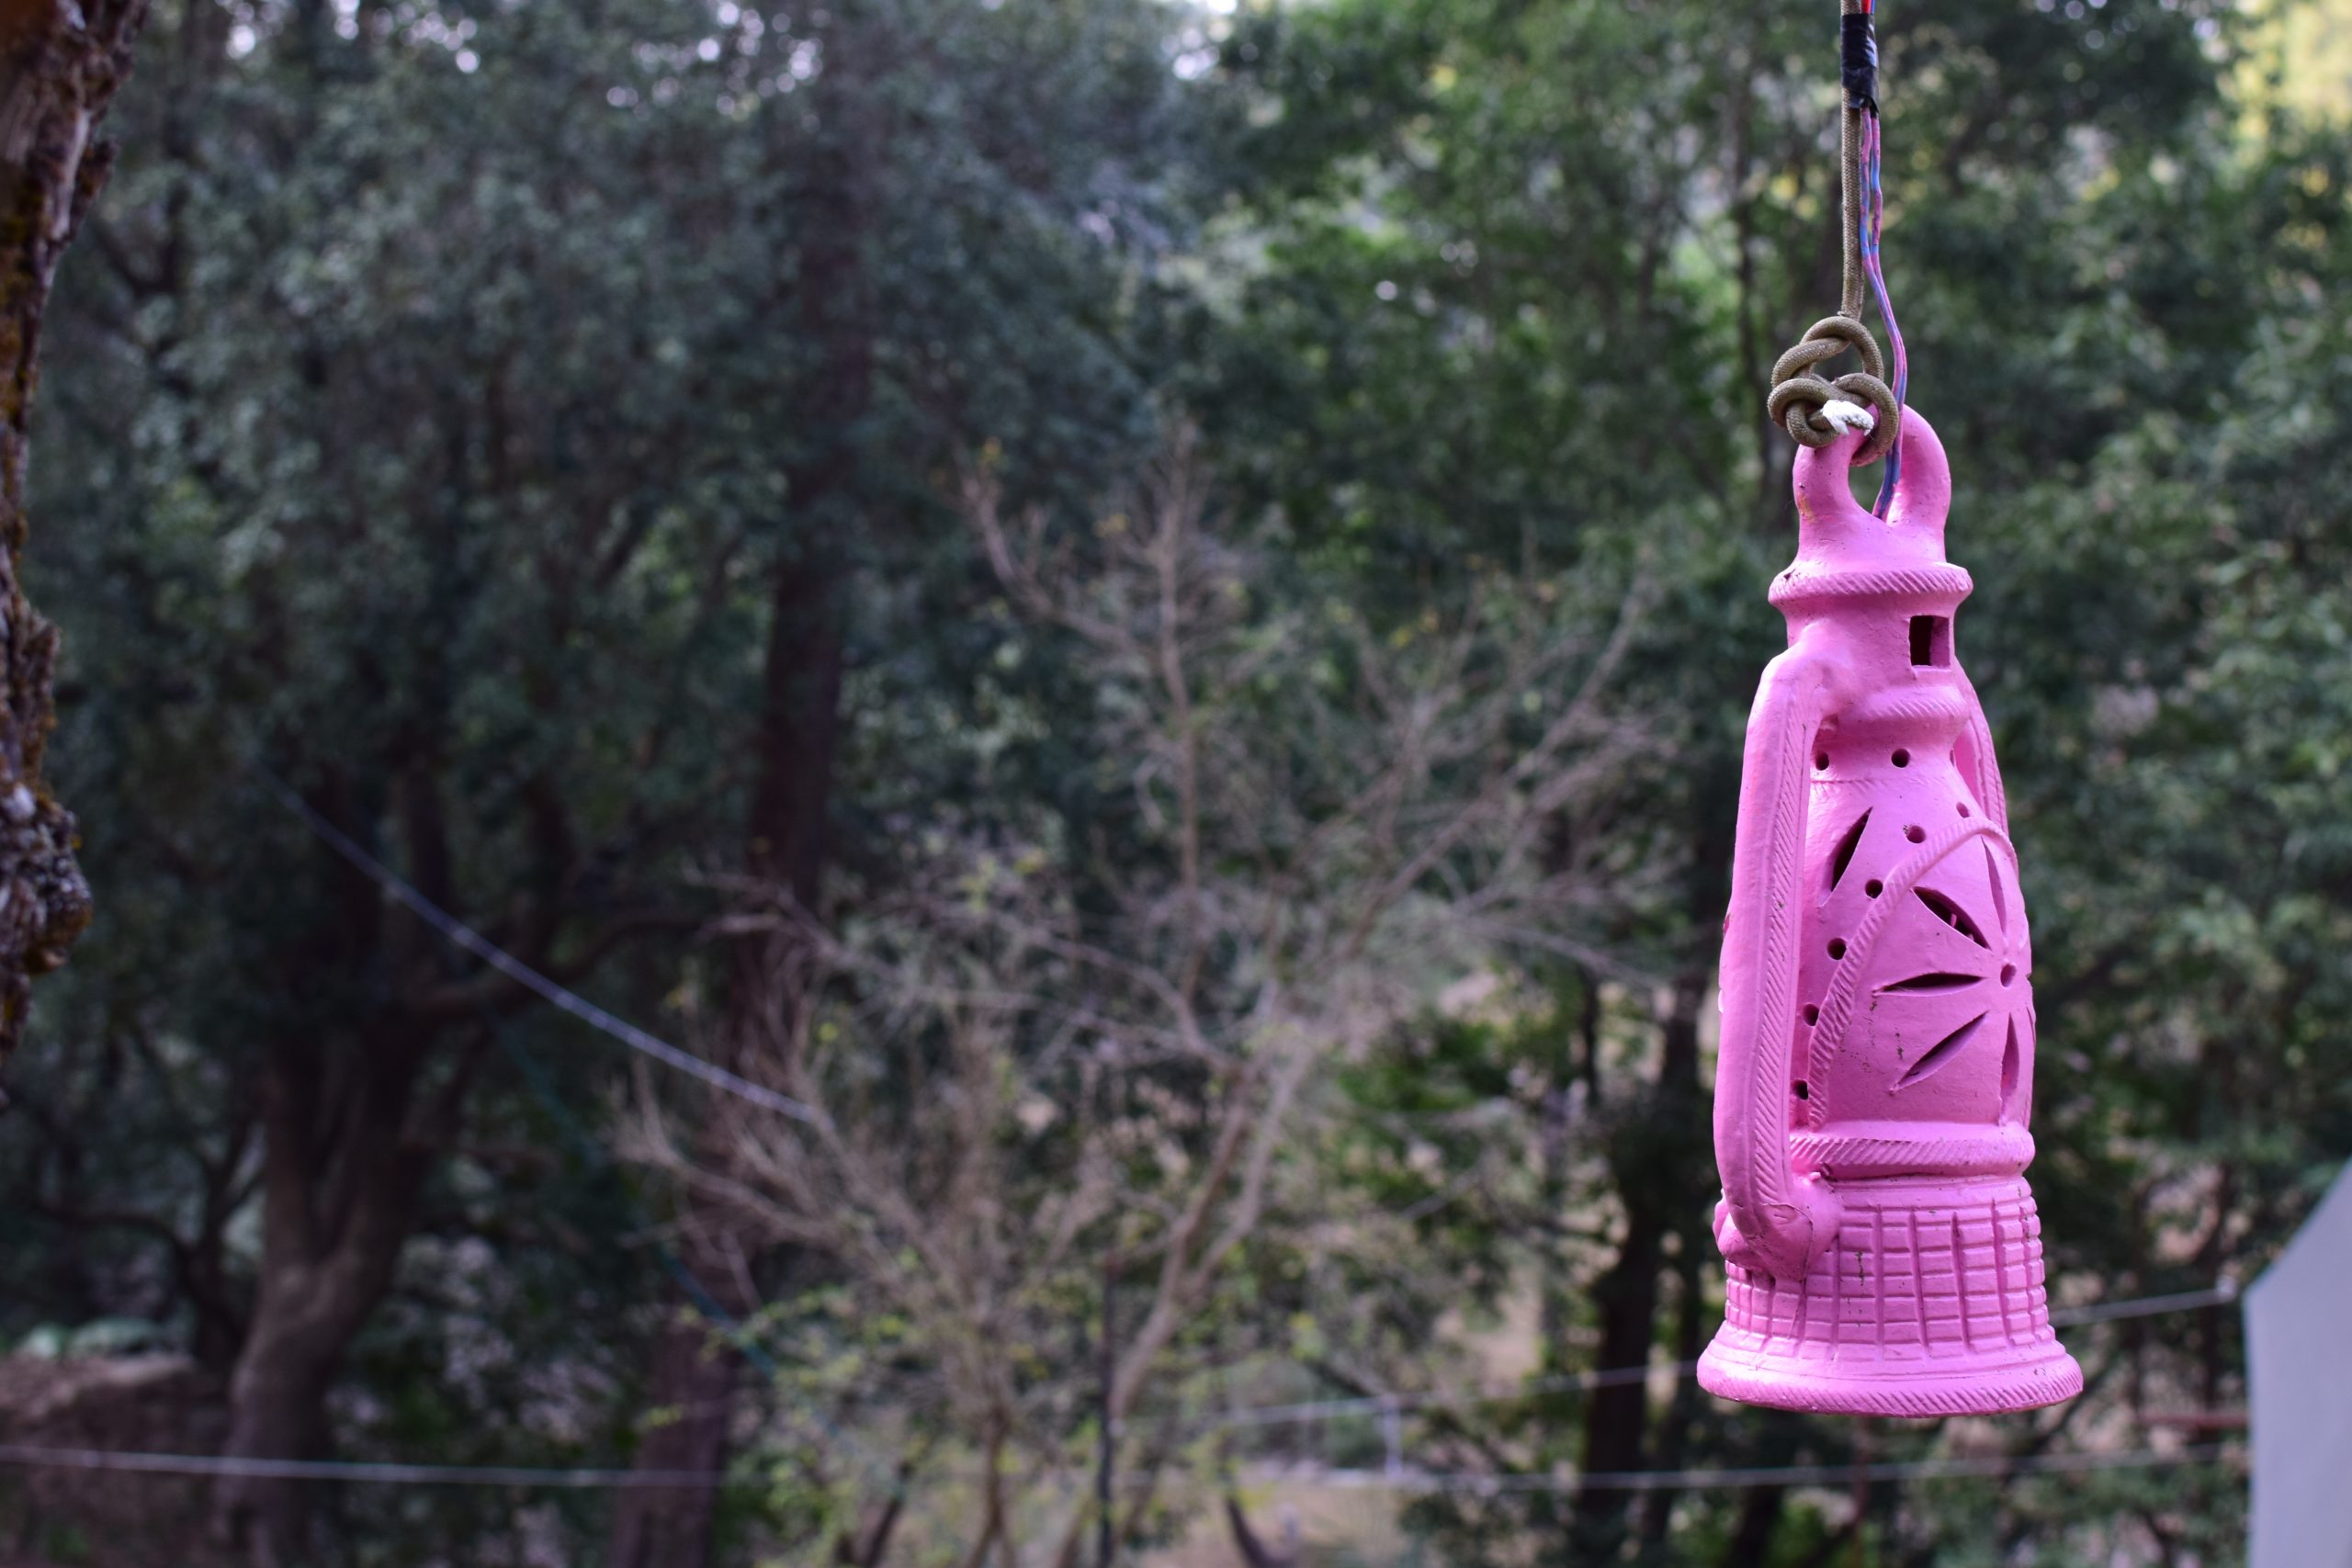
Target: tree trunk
column 786, row 828
column 1615, row 1415
column 1655, row 1159
column 694, row 1390
column 1576, row 1054
column 277, row 1410
column 304, row 1318
column 1692, row 1315
column 59, row 72
column 694, row 1379
column 1253, row 1549
column 334, row 1219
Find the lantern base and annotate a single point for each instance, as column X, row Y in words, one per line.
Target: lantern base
column 1930, row 1303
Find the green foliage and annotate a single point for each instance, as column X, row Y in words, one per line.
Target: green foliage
column 442, row 395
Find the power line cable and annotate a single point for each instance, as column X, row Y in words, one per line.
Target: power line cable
column 368, row 1473
column 2145, row 1306
column 705, row 1302
column 468, row 940
column 465, row 937
column 1988, row 1466
column 365, row 1473
column 1613, row 1377
column 594, row 1153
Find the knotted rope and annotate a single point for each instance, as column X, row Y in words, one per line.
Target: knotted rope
column 1800, row 394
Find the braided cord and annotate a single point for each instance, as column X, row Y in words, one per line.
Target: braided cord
column 1854, row 114
column 1799, row 392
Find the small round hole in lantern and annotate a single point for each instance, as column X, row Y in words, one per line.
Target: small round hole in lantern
column 1873, row 887
column 1837, row 947
column 1901, row 759
column 1915, row 833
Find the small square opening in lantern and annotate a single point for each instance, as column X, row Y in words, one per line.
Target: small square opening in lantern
column 1931, row 640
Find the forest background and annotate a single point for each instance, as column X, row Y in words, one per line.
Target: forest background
column 1138, row 618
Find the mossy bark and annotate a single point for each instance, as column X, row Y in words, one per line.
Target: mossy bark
column 60, row 68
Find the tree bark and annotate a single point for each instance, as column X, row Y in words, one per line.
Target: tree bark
column 59, row 69
column 1652, row 1157
column 1253, row 1549
column 336, row 1214
column 694, row 1379
column 785, row 842
column 693, row 1391
column 1615, row 1415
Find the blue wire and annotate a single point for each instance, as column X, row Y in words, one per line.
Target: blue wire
column 1871, row 216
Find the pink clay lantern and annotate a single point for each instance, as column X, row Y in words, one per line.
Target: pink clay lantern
column 1876, row 1067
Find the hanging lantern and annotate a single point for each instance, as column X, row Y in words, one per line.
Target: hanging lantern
column 1876, row 1067
column 1875, row 1073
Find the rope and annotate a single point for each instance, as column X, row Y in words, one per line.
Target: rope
column 1800, row 395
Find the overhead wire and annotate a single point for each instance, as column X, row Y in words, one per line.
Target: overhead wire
column 382, row 1473
column 469, row 939
column 705, row 1302
column 1614, row 1376
column 358, row 1472
column 472, row 941
column 376, row 1472
column 1986, row 1466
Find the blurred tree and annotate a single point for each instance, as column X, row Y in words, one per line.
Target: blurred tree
column 550, row 379
column 425, row 511
column 1523, row 269
column 547, row 437
column 1044, row 1069
column 956, row 197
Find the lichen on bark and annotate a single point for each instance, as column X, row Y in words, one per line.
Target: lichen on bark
column 60, row 68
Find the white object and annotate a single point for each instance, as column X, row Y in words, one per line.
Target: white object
column 1847, row 417
column 2300, row 1372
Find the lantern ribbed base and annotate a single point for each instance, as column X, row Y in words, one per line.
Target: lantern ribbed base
column 1930, row 1304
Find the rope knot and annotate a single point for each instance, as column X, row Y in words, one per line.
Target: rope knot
column 1800, row 396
